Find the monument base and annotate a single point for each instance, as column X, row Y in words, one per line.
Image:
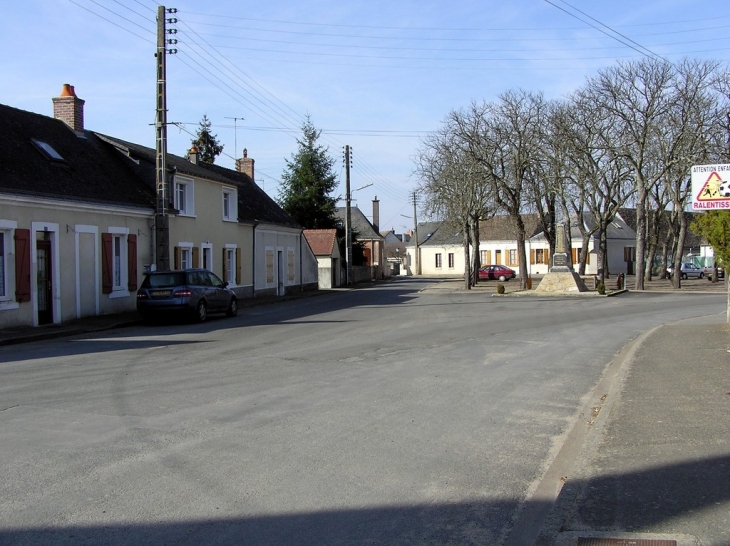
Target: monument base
column 562, row 281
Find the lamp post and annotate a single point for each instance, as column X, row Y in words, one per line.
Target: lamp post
column 348, row 228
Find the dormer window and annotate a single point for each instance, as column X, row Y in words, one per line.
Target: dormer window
column 47, row 150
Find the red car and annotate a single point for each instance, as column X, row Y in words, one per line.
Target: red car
column 496, row 272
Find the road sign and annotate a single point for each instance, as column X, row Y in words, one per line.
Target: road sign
column 711, row 187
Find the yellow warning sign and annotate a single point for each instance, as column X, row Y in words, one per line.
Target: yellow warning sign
column 710, row 187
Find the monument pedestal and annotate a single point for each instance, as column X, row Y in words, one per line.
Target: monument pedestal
column 562, row 281
column 561, row 278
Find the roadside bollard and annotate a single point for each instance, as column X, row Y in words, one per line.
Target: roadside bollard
column 620, row 281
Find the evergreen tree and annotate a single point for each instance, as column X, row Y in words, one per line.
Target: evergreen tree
column 308, row 181
column 207, row 143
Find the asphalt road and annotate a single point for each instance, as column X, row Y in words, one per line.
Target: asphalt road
column 399, row 414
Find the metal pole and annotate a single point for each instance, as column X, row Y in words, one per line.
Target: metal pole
column 348, row 216
column 162, row 233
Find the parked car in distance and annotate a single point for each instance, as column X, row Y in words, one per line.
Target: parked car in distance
column 687, row 271
column 496, row 272
column 191, row 292
column 709, row 271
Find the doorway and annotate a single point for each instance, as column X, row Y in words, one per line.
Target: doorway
column 44, row 278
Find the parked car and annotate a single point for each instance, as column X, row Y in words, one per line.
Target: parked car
column 709, row 270
column 191, row 292
column 498, row 272
column 687, row 271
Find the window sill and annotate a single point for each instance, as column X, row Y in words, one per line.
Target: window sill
column 9, row 305
column 186, row 215
column 119, row 294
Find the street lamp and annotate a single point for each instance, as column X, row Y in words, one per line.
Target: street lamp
column 348, row 230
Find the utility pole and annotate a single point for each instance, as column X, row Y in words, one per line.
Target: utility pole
column 348, row 217
column 162, row 228
column 415, row 236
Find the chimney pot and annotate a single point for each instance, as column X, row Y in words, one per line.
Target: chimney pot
column 245, row 165
column 69, row 108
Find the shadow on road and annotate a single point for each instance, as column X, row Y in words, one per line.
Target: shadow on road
column 632, row 502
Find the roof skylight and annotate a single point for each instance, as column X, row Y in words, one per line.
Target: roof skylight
column 47, row 150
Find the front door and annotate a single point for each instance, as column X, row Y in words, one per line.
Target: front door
column 44, row 285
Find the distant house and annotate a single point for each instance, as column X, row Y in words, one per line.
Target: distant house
column 323, row 243
column 366, row 234
column 441, row 248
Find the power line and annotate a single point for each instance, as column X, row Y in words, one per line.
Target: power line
column 636, row 46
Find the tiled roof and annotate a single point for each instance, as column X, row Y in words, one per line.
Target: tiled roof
column 692, row 239
column 254, row 205
column 502, row 227
column 90, row 170
column 360, row 224
column 322, row 241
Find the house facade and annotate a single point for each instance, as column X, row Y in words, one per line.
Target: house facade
column 441, row 251
column 323, row 243
column 77, row 221
column 367, row 236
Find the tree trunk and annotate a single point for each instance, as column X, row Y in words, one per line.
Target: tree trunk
column 640, row 235
column 467, row 261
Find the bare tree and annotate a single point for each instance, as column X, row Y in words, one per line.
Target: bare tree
column 638, row 97
column 453, row 188
column 503, row 138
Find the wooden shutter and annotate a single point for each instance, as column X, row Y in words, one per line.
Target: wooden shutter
column 238, row 266
column 533, row 256
column 196, row 256
column 177, row 257
column 22, row 265
column 132, row 263
column 107, row 267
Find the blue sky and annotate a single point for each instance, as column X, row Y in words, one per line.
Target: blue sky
column 375, row 75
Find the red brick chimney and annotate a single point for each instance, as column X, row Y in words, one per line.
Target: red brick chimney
column 376, row 214
column 245, row 164
column 69, row 108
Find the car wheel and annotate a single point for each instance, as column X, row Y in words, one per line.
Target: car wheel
column 684, row 276
column 201, row 312
column 232, row 310
column 502, row 278
column 702, row 275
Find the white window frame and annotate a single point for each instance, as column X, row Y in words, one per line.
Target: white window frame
column 230, row 215
column 439, row 263
column 206, row 249
column 452, row 260
column 7, row 230
column 120, row 273
column 186, row 255
column 230, row 275
column 186, row 205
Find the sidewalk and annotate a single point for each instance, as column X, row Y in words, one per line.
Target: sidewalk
column 29, row 334
column 656, row 464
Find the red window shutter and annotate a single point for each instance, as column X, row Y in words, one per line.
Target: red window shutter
column 196, row 256
column 238, row 266
column 132, row 263
column 177, row 259
column 107, row 268
column 22, row 265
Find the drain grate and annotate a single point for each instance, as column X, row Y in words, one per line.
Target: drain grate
column 624, row 542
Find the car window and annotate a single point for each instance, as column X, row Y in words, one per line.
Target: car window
column 214, row 280
column 164, row 280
